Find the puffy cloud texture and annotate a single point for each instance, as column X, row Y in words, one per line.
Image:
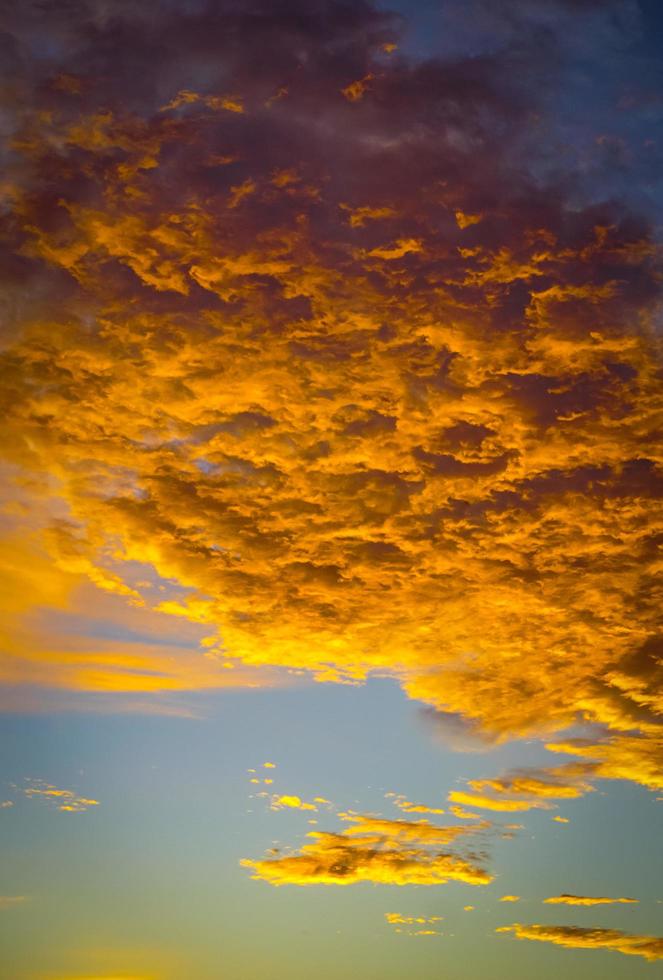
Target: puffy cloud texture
column 306, row 327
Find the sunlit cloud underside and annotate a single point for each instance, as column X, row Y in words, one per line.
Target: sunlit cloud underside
column 321, row 362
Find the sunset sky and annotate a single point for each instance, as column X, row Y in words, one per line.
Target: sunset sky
column 331, row 461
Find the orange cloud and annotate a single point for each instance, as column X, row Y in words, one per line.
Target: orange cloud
column 64, row 799
column 574, row 937
column 527, row 790
column 466, row 220
column 362, row 430
column 395, row 918
column 503, row 805
column 565, row 899
column 421, row 830
column 407, row 806
column 359, row 216
column 629, row 756
column 290, row 802
column 463, row 814
column 382, row 851
column 356, row 90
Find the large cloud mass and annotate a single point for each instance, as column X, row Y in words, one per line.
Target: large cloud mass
column 311, row 328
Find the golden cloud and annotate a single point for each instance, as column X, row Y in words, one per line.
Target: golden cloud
column 395, row 918
column 565, row 899
column 421, row 830
column 638, row 757
column 65, row 800
column 463, row 814
column 290, row 802
column 527, row 790
column 407, row 924
column 365, row 424
column 407, row 806
column 574, row 937
column 390, row 852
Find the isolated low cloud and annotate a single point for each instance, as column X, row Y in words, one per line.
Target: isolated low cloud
column 290, row 802
column 565, row 899
column 386, row 404
column 574, row 937
column 65, row 800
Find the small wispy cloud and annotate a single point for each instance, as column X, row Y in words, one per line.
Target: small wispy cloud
column 291, row 803
column 566, row 899
column 574, row 937
column 407, row 806
column 65, row 800
column 414, row 925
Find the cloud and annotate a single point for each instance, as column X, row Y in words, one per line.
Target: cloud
column 527, row 789
column 395, row 852
column 78, row 638
column 407, row 806
column 401, row 923
column 565, row 899
column 290, row 802
column 395, row 918
column 462, row 814
column 455, row 731
column 298, row 378
column 421, row 830
column 638, row 757
column 65, row 800
column 574, row 937
column 510, row 898
column 503, row 805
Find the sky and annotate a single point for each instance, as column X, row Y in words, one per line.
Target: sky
column 331, row 489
